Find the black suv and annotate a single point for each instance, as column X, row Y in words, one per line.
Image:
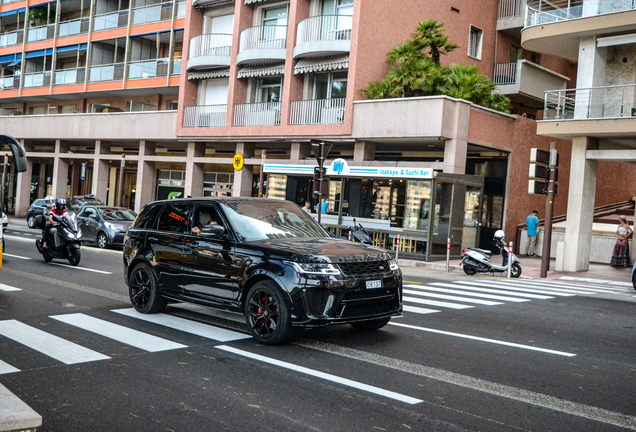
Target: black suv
column 266, row 259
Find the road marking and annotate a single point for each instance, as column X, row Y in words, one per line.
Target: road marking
column 468, row 291
column 6, row 368
column 322, row 375
column 81, row 268
column 119, row 333
column 477, row 338
column 417, row 310
column 600, row 281
column 559, row 285
column 478, row 288
column 16, row 256
column 436, row 303
column 411, row 282
column 500, row 390
column 196, row 328
column 4, row 287
column 48, row 344
column 448, row 297
column 514, row 287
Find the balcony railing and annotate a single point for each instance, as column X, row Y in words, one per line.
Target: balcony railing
column 510, row 8
column 69, row 76
column 213, row 44
column 181, row 9
column 6, row 82
column 324, row 27
column 205, row 116
column 176, row 66
column 264, row 37
column 505, row 73
column 111, row 20
column 73, row 27
column 109, row 72
column 591, row 103
column 316, row 112
column 6, row 2
column 11, row 38
column 37, row 79
column 257, row 114
column 152, row 13
column 41, row 33
column 560, row 10
column 148, row 68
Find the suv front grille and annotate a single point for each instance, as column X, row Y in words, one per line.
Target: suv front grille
column 365, row 269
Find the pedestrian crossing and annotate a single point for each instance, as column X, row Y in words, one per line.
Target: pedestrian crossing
column 469, row 294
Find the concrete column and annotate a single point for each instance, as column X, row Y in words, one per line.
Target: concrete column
column 99, row 187
column 194, row 171
column 243, row 179
column 41, row 189
column 145, row 184
column 363, row 151
column 299, row 151
column 23, row 190
column 580, row 213
column 60, row 177
column 112, row 185
column 456, row 148
column 590, row 73
column 76, row 185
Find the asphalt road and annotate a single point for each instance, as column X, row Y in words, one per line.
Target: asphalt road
column 562, row 360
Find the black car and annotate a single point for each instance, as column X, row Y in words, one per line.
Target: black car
column 266, row 259
column 104, row 225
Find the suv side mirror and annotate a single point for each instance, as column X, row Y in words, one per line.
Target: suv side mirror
column 213, row 230
column 19, row 154
column 92, row 216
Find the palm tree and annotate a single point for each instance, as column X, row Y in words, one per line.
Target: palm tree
column 430, row 35
column 466, row 82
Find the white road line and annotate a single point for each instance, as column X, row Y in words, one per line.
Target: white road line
column 6, row 368
column 559, row 285
column 119, row 333
column 601, row 281
column 16, row 256
column 48, row 344
column 493, row 291
column 4, row 287
column 477, row 338
column 81, row 268
column 436, row 303
column 204, row 330
column 322, row 375
column 448, row 297
column 514, row 287
column 469, row 292
column 417, row 310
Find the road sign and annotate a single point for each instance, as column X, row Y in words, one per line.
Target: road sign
column 83, row 171
column 238, row 162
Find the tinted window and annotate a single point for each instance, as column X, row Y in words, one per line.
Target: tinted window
column 114, row 214
column 175, row 218
column 148, row 217
column 87, row 211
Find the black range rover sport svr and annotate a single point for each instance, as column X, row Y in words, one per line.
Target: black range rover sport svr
column 264, row 258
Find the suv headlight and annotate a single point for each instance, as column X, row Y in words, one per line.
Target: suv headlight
column 393, row 265
column 315, row 268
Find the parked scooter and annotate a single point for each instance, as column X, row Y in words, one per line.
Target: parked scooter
column 62, row 240
column 478, row 260
column 359, row 234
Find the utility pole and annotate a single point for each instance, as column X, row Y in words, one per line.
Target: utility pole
column 549, row 209
column 321, row 151
column 261, row 178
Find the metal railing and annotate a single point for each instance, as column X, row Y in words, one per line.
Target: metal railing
column 204, row 116
column 73, row 27
column 511, row 8
column 6, row 2
column 212, row 44
column 324, row 27
column 545, row 12
column 11, row 38
column 257, row 114
column 109, row 72
column 264, row 37
column 319, row 111
column 152, row 13
column 41, row 33
column 111, row 20
column 181, row 9
column 505, row 73
column 591, row 103
column 69, row 76
column 37, row 79
column 148, row 68
column 6, row 82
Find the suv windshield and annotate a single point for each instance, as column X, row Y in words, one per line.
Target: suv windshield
column 117, row 215
column 269, row 220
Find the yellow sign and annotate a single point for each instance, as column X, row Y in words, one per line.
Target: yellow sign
column 238, row 162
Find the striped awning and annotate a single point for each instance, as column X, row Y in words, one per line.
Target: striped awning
column 219, row 73
column 262, row 70
column 252, row 1
column 322, row 64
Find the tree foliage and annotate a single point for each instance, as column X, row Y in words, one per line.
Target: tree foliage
column 416, row 71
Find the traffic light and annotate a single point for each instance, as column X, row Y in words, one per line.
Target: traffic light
column 539, row 172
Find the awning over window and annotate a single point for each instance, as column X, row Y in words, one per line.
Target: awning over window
column 210, row 3
column 221, row 73
column 12, row 12
column 252, row 1
column 40, row 53
column 82, row 47
column 7, row 58
column 17, row 62
column 322, row 64
column 262, row 70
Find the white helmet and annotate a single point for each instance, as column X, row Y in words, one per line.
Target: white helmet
column 49, row 201
column 499, row 235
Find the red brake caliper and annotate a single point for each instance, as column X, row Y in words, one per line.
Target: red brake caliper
column 260, row 310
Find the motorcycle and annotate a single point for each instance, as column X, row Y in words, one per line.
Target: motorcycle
column 62, row 239
column 479, row 260
column 359, row 234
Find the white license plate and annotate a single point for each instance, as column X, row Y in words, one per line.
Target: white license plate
column 374, row 284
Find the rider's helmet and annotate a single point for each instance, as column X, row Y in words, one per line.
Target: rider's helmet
column 49, row 201
column 60, row 204
column 499, row 235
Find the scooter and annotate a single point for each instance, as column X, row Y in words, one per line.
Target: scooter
column 359, row 234
column 479, row 260
column 62, row 240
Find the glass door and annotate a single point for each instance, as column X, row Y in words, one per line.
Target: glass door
column 448, row 219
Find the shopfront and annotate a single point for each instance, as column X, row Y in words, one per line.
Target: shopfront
column 422, row 206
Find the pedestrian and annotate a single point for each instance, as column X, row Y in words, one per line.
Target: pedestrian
column 620, row 256
column 307, row 207
column 532, row 222
column 324, row 207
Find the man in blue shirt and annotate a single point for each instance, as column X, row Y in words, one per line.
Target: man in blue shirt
column 324, row 207
column 532, row 221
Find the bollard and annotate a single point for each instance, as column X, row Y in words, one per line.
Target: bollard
column 448, row 255
column 349, row 235
column 509, row 258
column 397, row 247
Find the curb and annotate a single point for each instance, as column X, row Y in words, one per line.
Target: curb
column 15, row 415
column 428, row 266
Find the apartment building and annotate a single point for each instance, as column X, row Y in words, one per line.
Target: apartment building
column 141, row 101
column 598, row 114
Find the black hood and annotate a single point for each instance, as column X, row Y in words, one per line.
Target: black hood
column 319, row 250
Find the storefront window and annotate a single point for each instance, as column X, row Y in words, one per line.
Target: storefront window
column 418, row 202
column 471, row 207
column 277, row 186
column 217, row 184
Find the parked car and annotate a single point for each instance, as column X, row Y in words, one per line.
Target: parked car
column 37, row 208
column 266, row 259
column 106, row 226
column 82, row 200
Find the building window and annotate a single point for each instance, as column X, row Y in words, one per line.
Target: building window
column 475, row 42
column 330, row 85
column 172, row 105
column 67, row 109
column 535, row 58
column 37, row 110
column 269, row 90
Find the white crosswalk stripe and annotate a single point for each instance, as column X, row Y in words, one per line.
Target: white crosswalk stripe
column 417, row 310
column 512, row 287
column 448, row 297
column 471, row 292
column 7, row 288
column 6, row 368
column 436, row 303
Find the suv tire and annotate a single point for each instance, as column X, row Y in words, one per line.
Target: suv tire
column 144, row 290
column 267, row 314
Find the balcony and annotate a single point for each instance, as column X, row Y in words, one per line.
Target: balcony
column 152, row 13
column 262, row 44
column 527, row 82
column 205, row 116
column 323, row 35
column 8, row 83
column 11, row 38
column 111, row 20
column 108, row 72
column 69, row 76
column 45, row 32
column 210, row 51
column 73, row 27
column 317, row 112
column 176, row 66
column 510, row 18
column 37, row 79
column 591, row 103
column 148, row 68
column 257, row 114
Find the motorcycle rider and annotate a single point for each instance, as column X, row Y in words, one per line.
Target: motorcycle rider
column 49, row 203
column 58, row 211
